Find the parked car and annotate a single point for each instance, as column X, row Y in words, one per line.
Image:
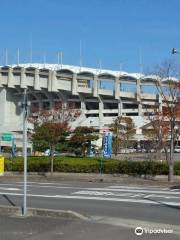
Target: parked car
column 177, row 149
column 48, row 153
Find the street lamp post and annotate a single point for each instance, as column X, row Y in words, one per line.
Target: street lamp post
column 25, row 112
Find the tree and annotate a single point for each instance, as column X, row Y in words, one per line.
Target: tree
column 50, row 134
column 168, row 86
column 123, row 130
column 52, row 126
column 158, row 133
column 82, row 137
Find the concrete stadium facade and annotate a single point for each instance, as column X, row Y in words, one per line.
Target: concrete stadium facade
column 102, row 95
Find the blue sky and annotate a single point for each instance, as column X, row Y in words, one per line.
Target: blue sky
column 115, row 32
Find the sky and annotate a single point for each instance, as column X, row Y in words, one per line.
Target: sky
column 126, row 35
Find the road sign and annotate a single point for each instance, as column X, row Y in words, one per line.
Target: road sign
column 7, row 137
column 1, row 166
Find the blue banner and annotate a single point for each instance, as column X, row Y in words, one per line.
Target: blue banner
column 13, row 147
column 107, row 144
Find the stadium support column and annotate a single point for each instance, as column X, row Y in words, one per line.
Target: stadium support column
column 36, row 80
column 10, row 78
column 83, row 105
column 63, row 98
column 120, row 106
column 53, row 81
column 49, row 81
column 138, row 97
column 0, row 79
column 95, row 86
column 51, row 102
column 101, row 116
column 160, row 102
column 74, row 84
column 116, row 88
column 50, row 98
column 117, row 95
column 23, row 78
column 3, row 108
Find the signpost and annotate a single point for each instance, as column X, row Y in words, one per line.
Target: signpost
column 6, row 137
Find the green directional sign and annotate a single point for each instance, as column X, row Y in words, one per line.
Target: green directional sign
column 6, row 136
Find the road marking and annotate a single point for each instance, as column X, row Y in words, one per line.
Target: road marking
column 129, row 200
column 134, row 187
column 96, row 193
column 135, row 191
column 47, row 183
column 137, row 195
column 161, row 196
column 175, row 189
column 10, row 189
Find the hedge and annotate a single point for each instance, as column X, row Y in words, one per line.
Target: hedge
column 91, row 165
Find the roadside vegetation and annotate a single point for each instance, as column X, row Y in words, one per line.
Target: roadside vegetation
column 91, row 165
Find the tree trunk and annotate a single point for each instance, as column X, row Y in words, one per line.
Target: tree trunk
column 171, row 172
column 116, row 146
column 166, row 155
column 52, row 161
column 171, row 159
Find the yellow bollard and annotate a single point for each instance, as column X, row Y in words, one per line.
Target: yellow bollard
column 1, row 166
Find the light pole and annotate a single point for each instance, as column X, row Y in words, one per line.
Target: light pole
column 25, row 112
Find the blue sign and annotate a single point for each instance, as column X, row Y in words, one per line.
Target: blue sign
column 13, row 147
column 107, row 144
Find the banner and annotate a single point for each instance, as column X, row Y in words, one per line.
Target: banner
column 107, row 144
column 13, row 147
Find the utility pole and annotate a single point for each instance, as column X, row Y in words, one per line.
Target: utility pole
column 60, row 58
column 80, row 54
column 6, row 57
column 18, row 56
column 25, row 112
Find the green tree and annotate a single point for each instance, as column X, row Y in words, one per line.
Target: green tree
column 50, row 134
column 82, row 137
column 51, row 126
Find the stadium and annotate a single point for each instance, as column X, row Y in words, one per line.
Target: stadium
column 100, row 94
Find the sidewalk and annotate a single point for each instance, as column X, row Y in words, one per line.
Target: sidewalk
column 160, row 180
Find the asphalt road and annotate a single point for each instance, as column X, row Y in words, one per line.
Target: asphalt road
column 109, row 206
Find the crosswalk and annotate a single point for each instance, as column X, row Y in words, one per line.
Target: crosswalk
column 114, row 193
column 133, row 194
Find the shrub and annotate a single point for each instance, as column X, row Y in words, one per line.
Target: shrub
column 91, row 165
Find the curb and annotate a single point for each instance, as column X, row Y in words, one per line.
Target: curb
column 9, row 210
column 40, row 212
